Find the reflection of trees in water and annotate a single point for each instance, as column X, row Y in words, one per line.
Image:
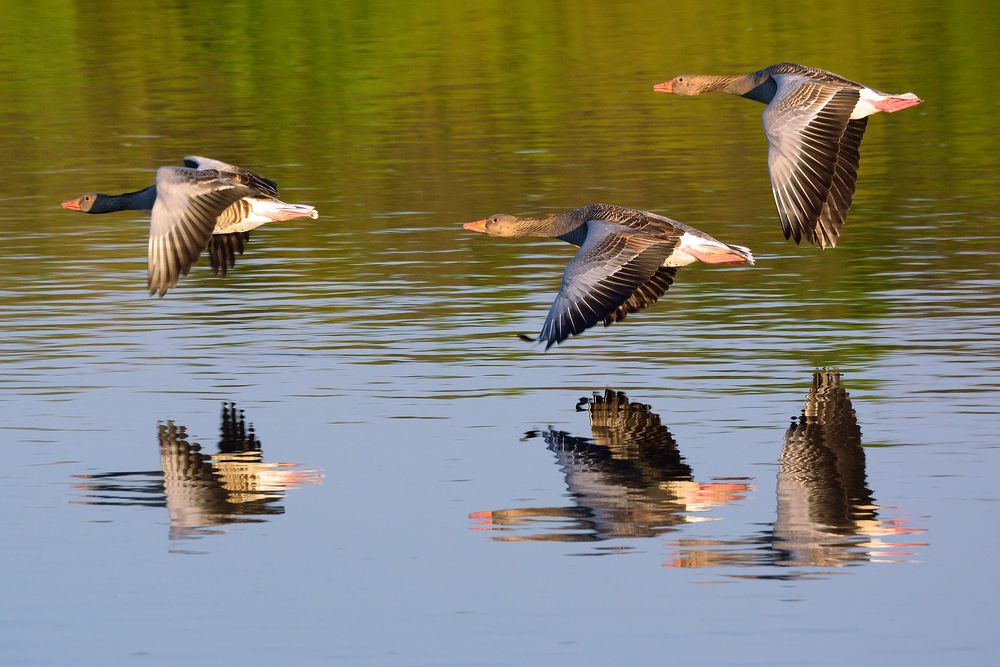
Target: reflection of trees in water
column 629, row 480
column 202, row 490
column 826, row 515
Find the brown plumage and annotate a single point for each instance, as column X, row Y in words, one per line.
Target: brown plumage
column 627, row 260
column 204, row 204
column 814, row 123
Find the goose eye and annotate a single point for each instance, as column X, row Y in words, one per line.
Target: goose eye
column 494, row 219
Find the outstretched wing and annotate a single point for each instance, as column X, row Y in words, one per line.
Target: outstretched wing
column 834, row 213
column 188, row 201
column 805, row 124
column 646, row 294
column 264, row 185
column 223, row 249
column 613, row 262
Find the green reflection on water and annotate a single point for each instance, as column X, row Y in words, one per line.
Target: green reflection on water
column 448, row 111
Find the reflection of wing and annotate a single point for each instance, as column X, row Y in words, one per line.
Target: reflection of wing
column 200, row 490
column 628, row 481
column 195, row 498
column 821, row 480
column 828, row 409
column 633, row 431
column 229, row 487
column 623, row 474
column 237, row 435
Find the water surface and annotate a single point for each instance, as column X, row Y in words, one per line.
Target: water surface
column 793, row 463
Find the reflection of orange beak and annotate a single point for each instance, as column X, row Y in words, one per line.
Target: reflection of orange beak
column 72, row 204
column 477, row 226
column 484, row 520
column 665, row 87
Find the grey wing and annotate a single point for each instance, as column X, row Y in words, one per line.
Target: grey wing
column 223, row 249
column 188, row 202
column 613, row 262
column 646, row 294
column 264, row 185
column 805, row 123
column 834, row 213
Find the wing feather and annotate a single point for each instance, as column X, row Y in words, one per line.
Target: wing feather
column 805, row 124
column 258, row 182
column 188, row 202
column 223, row 249
column 601, row 280
column 835, row 208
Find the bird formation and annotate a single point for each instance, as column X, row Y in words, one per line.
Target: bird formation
column 814, row 122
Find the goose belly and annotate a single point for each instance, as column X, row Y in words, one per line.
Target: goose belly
column 249, row 222
column 679, row 258
column 247, row 214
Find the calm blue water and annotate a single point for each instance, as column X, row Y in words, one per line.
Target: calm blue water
column 398, row 479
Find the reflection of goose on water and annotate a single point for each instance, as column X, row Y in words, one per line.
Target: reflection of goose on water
column 822, row 492
column 202, row 490
column 204, row 204
column 826, row 515
column 629, row 480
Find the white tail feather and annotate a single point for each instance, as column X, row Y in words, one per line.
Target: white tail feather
column 274, row 209
column 744, row 252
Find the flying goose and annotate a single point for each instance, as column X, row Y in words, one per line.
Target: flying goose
column 814, row 122
column 204, row 204
column 627, row 260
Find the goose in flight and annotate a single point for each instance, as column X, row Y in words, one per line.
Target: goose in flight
column 627, row 260
column 814, row 123
column 204, row 204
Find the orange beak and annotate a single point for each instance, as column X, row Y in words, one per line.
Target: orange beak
column 665, row 87
column 477, row 226
column 72, row 204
